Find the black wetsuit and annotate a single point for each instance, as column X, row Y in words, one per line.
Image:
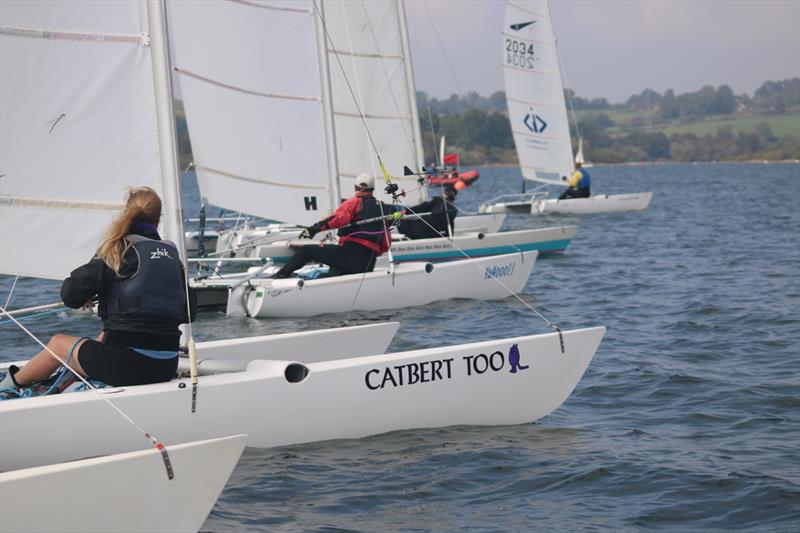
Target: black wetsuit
column 134, row 350
column 441, row 212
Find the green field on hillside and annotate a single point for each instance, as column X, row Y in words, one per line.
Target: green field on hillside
column 626, row 121
column 781, row 125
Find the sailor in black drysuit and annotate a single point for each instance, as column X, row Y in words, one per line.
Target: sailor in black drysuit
column 442, row 213
column 359, row 245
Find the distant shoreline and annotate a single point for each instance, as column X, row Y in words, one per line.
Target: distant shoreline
column 637, row 163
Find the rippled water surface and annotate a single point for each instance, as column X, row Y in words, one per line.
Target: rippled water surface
column 687, row 418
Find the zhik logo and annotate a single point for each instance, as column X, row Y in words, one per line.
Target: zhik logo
column 159, row 253
column 534, row 122
column 518, row 26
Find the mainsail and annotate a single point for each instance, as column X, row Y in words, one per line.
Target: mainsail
column 253, row 91
column 80, row 123
column 370, row 69
column 534, row 91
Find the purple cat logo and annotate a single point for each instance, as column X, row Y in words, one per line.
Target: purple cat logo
column 513, row 360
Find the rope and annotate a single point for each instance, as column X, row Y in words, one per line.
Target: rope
column 346, row 80
column 13, row 286
column 91, row 387
column 441, row 46
column 386, row 74
column 506, row 287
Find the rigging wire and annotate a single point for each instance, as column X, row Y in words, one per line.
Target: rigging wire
column 387, row 177
column 156, row 443
column 427, row 104
column 386, row 75
column 441, row 46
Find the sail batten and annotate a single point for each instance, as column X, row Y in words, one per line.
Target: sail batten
column 534, row 92
column 244, row 90
column 371, row 84
column 254, row 106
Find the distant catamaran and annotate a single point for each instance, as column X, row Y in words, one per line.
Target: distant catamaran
column 538, row 114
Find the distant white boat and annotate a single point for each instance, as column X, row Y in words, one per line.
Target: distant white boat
column 538, row 114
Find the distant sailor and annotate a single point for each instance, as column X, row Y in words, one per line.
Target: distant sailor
column 579, row 184
column 139, row 281
column 359, row 245
column 442, row 214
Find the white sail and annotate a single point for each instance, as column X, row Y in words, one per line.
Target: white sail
column 371, row 75
column 251, row 86
column 534, row 92
column 78, row 126
column 579, row 154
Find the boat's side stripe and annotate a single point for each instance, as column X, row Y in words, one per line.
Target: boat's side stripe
column 549, row 246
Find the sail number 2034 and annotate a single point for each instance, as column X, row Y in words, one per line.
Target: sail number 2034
column 520, row 54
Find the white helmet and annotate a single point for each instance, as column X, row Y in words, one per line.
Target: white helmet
column 365, row 181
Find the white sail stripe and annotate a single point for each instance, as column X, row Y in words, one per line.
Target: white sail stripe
column 72, row 36
column 246, row 91
column 540, row 136
column 261, row 181
column 532, row 102
column 361, row 54
column 378, row 117
column 525, row 9
column 522, row 69
column 274, row 8
column 28, row 201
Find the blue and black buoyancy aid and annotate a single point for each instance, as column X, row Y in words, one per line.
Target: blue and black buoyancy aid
column 586, row 180
column 372, row 231
column 155, row 292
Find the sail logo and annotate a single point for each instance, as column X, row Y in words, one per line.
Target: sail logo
column 519, row 25
column 158, row 253
column 534, row 122
column 311, row 203
column 417, row 373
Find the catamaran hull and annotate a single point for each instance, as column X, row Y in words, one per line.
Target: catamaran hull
column 555, row 239
column 277, row 403
column 594, row 204
column 302, row 346
column 480, row 223
column 122, row 492
column 603, row 203
column 409, row 284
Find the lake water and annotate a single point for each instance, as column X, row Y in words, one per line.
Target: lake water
column 688, row 417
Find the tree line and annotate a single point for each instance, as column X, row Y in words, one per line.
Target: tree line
column 639, row 129
column 479, row 129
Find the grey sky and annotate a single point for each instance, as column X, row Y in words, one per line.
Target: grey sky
column 615, row 48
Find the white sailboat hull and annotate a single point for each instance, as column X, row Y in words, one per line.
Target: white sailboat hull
column 603, row 203
column 347, row 398
column 122, row 492
column 410, row 284
column 227, row 239
column 554, row 239
column 301, row 346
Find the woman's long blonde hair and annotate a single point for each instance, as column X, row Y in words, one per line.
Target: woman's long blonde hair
column 142, row 205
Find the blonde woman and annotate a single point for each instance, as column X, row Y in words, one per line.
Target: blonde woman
column 139, row 282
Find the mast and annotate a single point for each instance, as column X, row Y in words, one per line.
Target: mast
column 334, row 189
column 558, row 73
column 165, row 124
column 410, row 85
